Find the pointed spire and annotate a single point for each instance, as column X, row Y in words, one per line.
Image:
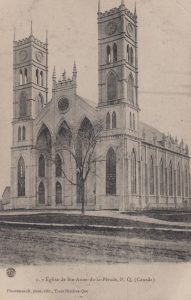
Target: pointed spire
column 54, row 74
column 122, row 5
column 135, row 9
column 64, row 75
column 14, row 34
column 99, row 6
column 46, row 36
column 74, row 68
column 31, row 28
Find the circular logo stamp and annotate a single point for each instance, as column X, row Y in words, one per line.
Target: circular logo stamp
column 10, row 272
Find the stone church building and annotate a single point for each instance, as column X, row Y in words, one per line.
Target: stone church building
column 137, row 166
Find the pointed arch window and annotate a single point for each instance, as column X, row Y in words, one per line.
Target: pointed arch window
column 130, row 120
column 161, row 178
column 178, row 180
column 21, row 177
column 58, row 166
column 128, row 54
column 170, row 179
column 133, row 173
column 131, row 56
column 151, row 176
column 130, row 89
column 58, row 193
column 114, row 120
column 41, row 78
column 111, row 87
column 37, row 76
column 108, row 121
column 23, row 105
column 186, row 181
column 114, row 52
column 20, row 77
column 26, row 77
column 23, row 133
column 41, row 193
column 108, row 54
column 19, row 134
column 133, row 122
column 111, row 172
column 41, row 101
column 41, row 166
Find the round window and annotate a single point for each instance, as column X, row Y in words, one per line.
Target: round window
column 63, row 104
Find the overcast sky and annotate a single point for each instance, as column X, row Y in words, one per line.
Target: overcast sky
column 164, row 37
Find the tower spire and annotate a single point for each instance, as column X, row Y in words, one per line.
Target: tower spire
column 122, row 5
column 31, row 28
column 14, row 34
column 99, row 6
column 54, row 74
column 135, row 9
column 46, row 36
column 74, row 68
column 74, row 77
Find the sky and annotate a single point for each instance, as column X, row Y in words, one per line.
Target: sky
column 164, row 57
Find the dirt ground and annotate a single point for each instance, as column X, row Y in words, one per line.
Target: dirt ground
column 33, row 246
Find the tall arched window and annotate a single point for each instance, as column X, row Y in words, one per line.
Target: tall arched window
column 151, row 176
column 130, row 89
column 178, row 180
column 23, row 105
column 20, row 77
column 133, row 122
column 41, row 78
column 37, row 76
column 19, row 134
column 161, row 178
column 41, row 193
column 21, row 177
column 111, row 172
column 186, row 181
column 40, row 101
column 133, row 173
column 114, row 52
column 26, row 77
column 58, row 166
column 41, row 166
column 114, row 120
column 58, row 193
column 131, row 56
column 108, row 54
column 170, row 179
column 111, row 87
column 130, row 120
column 108, row 121
column 23, row 133
column 128, row 54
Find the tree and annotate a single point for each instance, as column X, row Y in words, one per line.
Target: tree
column 80, row 145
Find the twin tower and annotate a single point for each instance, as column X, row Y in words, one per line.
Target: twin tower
column 117, row 69
column 117, row 103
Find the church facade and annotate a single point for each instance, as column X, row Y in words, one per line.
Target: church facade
column 137, row 166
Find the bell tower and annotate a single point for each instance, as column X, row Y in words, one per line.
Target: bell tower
column 30, row 77
column 30, row 95
column 118, row 65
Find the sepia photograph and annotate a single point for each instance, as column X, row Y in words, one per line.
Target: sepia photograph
column 95, row 119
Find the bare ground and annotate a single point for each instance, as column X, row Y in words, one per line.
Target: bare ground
column 33, row 246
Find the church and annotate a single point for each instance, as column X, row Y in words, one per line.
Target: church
column 137, row 166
